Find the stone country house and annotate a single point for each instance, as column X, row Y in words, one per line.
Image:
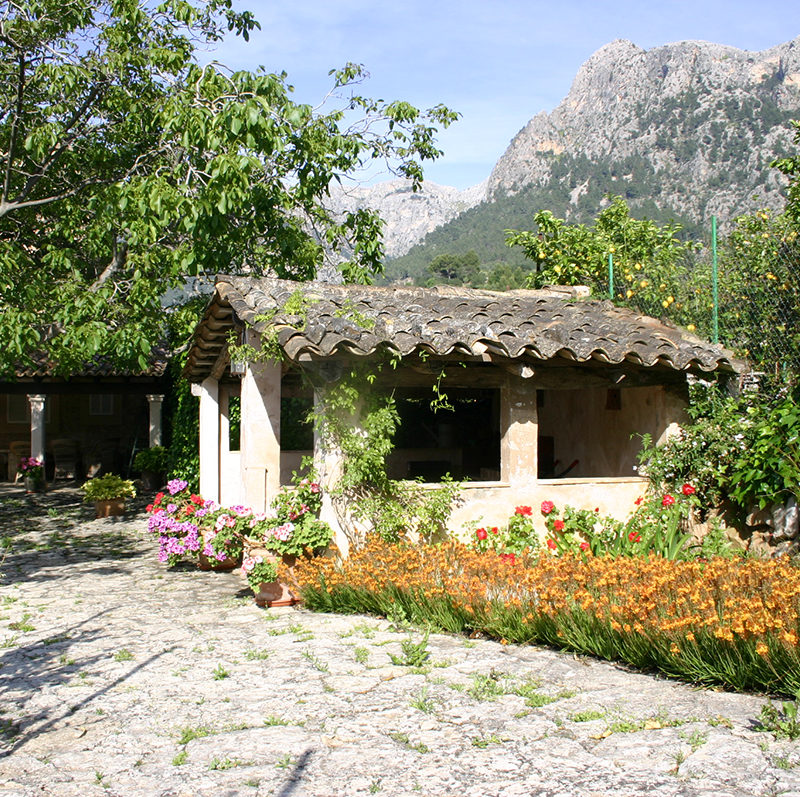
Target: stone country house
column 84, row 424
column 548, row 388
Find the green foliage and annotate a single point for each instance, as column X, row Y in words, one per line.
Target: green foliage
column 783, row 722
column 414, row 654
column 790, row 166
column 408, row 508
column 259, row 570
column 361, row 423
column 183, row 411
column 153, row 459
column 656, row 528
column 759, row 295
column 129, row 165
column 452, row 269
column 745, row 449
column 705, row 451
column 577, row 254
column 769, row 468
column 105, row 487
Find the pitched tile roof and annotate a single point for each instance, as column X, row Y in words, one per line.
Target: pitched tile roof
column 358, row 319
column 99, row 367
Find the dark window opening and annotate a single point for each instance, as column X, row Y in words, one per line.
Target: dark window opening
column 234, row 422
column 463, row 442
column 297, row 431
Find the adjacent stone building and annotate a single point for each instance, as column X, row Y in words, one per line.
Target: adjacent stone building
column 547, row 390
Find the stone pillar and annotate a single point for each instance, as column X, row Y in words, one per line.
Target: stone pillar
column 209, row 439
column 519, row 426
column 261, row 433
column 154, row 402
column 328, row 463
column 37, row 402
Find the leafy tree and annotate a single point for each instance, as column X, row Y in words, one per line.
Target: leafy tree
column 759, row 292
column 506, row 277
column 455, row 269
column 790, row 166
column 650, row 261
column 127, row 165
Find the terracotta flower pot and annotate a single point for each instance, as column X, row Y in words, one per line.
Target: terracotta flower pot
column 108, row 507
column 212, row 563
column 275, row 593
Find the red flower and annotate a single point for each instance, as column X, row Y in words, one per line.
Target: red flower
column 525, row 511
column 551, row 543
column 687, row 489
column 667, row 500
column 495, row 530
column 597, row 509
column 189, row 510
column 638, row 501
column 197, row 499
column 481, row 534
column 547, row 507
column 149, row 508
column 509, row 558
column 584, row 546
column 159, row 498
column 558, row 525
column 634, row 537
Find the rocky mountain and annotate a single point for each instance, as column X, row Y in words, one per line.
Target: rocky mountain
column 692, row 126
column 409, row 216
column 682, row 131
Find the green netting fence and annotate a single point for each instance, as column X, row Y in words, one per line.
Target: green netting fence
column 745, row 295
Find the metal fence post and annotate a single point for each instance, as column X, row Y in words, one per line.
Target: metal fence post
column 714, row 279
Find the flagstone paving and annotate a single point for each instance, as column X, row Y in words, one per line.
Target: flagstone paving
column 121, row 677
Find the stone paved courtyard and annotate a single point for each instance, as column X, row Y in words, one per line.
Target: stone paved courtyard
column 121, row 677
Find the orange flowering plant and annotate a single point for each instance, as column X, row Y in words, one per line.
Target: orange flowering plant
column 726, row 621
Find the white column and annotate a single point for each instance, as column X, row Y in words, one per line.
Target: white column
column 261, row 430
column 154, row 402
column 209, row 439
column 37, row 402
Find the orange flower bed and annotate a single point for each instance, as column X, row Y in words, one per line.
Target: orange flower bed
column 730, row 598
column 677, row 608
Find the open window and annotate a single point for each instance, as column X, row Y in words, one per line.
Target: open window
column 596, row 433
column 297, row 432
column 461, row 439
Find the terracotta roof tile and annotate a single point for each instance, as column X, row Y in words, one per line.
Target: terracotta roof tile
column 360, row 319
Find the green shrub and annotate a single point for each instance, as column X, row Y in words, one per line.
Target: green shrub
column 153, row 459
column 103, row 488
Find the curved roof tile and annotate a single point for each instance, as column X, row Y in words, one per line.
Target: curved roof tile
column 359, row 319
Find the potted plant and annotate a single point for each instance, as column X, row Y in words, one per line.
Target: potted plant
column 176, row 518
column 108, row 493
column 152, row 464
column 261, row 572
column 223, row 534
column 292, row 529
column 32, row 472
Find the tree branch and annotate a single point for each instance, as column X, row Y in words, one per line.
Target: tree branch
column 117, row 261
column 14, row 128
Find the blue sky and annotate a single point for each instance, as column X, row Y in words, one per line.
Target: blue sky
column 497, row 62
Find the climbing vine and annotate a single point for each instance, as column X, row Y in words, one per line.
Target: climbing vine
column 360, row 421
